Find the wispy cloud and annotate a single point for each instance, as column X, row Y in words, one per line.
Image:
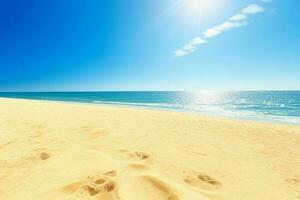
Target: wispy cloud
column 238, row 17
column 190, row 47
column 252, row 9
column 227, row 25
column 238, row 20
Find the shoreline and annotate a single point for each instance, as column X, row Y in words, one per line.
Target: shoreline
column 184, row 112
column 52, row 150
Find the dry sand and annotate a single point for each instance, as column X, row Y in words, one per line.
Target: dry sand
column 57, row 151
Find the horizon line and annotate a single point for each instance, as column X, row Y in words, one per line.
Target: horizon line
column 204, row 90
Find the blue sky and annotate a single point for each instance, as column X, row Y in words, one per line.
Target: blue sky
column 56, row 45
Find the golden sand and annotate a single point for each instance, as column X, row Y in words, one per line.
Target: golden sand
column 57, row 151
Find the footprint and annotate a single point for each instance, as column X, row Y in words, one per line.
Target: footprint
column 201, row 181
column 38, row 130
column 110, row 173
column 135, row 155
column 44, row 156
column 100, row 186
column 38, row 155
column 139, row 155
column 148, row 187
column 92, row 132
column 294, row 182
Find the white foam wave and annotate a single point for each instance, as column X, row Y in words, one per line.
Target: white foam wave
column 211, row 110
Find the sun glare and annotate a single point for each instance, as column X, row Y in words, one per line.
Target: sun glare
column 205, row 96
column 200, row 9
column 194, row 6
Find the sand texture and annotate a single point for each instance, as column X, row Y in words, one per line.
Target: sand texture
column 60, row 151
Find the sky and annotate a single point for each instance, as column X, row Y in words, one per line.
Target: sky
column 100, row 45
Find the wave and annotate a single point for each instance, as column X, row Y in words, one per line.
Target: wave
column 268, row 106
column 158, row 105
column 211, row 110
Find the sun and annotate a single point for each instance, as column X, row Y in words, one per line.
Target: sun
column 197, row 10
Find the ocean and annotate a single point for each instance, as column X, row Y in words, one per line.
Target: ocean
column 274, row 106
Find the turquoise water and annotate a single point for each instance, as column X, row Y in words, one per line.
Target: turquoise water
column 278, row 106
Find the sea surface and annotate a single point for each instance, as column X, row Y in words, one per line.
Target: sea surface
column 274, row 106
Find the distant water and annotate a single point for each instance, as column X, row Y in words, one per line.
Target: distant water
column 276, row 106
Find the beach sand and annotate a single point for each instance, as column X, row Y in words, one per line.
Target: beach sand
column 57, row 151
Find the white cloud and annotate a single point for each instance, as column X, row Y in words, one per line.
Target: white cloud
column 227, row 25
column 252, row 9
column 212, row 32
column 238, row 20
column 197, row 41
column 238, row 17
column 190, row 47
column 181, row 53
